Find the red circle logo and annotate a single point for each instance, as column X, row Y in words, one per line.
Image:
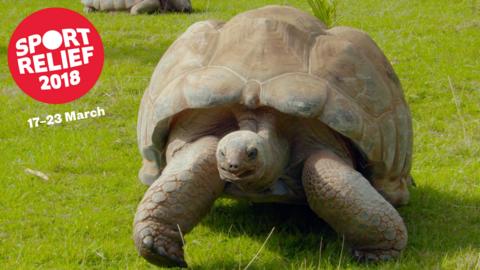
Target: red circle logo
column 55, row 55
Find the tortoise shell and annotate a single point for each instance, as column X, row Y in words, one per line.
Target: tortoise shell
column 286, row 59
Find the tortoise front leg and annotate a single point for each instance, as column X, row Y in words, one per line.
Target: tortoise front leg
column 179, row 198
column 346, row 200
column 146, row 6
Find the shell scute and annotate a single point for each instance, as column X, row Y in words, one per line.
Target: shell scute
column 262, row 48
column 389, row 140
column 369, row 141
column 339, row 62
column 296, row 94
column 192, row 50
column 211, row 87
column 343, row 116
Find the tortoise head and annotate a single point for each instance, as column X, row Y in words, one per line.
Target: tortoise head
column 244, row 158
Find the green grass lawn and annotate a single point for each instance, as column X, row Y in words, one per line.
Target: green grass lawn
column 82, row 216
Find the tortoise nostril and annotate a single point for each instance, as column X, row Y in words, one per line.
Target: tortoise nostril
column 233, row 167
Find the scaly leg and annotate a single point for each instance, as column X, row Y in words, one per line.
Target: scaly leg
column 347, row 201
column 179, row 198
column 146, row 6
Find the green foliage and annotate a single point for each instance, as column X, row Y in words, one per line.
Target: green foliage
column 81, row 217
column 324, row 10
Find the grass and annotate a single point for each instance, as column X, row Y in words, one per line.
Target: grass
column 81, row 217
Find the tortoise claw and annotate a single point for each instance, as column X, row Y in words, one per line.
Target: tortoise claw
column 159, row 250
column 159, row 254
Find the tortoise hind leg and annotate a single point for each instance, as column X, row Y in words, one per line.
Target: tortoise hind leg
column 179, row 198
column 87, row 9
column 346, row 200
column 146, row 6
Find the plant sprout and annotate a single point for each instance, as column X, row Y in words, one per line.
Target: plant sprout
column 324, row 10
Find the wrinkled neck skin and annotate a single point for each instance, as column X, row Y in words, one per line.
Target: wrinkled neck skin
column 276, row 153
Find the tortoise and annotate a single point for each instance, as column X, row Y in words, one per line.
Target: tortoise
column 272, row 106
column 137, row 6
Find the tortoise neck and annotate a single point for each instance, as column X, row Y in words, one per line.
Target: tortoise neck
column 265, row 124
column 260, row 121
column 279, row 150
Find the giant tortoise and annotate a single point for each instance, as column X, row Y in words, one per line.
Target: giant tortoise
column 137, row 6
column 272, row 106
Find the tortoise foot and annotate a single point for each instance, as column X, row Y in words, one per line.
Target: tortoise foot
column 88, row 9
column 346, row 200
column 176, row 201
column 161, row 251
column 369, row 255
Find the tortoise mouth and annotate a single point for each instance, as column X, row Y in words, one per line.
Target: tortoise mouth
column 236, row 176
column 246, row 173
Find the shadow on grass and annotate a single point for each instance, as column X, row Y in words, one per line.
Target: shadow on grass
column 442, row 222
column 197, row 10
column 258, row 219
column 297, row 235
column 439, row 223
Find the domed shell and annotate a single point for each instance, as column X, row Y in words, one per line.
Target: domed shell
column 284, row 58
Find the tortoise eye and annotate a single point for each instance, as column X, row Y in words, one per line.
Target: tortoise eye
column 222, row 154
column 252, row 153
